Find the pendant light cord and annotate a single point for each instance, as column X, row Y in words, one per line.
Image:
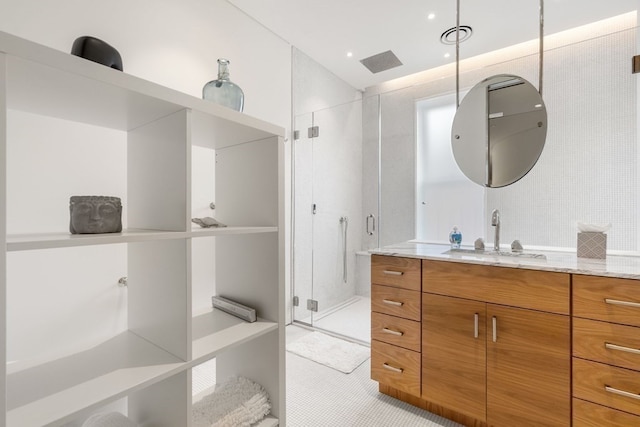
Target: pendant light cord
column 458, row 53
column 541, row 45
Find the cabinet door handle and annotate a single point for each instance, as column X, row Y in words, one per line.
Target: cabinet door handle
column 392, row 273
column 389, row 302
column 495, row 329
column 392, row 368
column 475, row 325
column 610, row 346
column 392, row 332
column 624, row 303
column 622, row 392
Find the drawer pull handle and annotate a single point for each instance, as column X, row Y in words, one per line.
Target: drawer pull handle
column 495, row 329
column 475, row 325
column 392, row 273
column 392, row 368
column 622, row 392
column 392, row 332
column 390, row 302
column 610, row 346
column 624, row 303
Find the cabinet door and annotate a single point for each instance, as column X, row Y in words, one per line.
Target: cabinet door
column 528, row 368
column 453, row 354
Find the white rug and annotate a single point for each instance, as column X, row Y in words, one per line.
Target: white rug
column 333, row 352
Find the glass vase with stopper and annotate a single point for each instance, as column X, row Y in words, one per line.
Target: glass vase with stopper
column 222, row 90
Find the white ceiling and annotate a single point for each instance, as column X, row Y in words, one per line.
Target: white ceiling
column 326, row 30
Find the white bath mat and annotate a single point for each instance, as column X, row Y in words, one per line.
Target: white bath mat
column 333, row 352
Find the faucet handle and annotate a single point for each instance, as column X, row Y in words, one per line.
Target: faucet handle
column 479, row 244
column 516, row 246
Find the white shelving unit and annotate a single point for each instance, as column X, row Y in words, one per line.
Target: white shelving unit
column 148, row 366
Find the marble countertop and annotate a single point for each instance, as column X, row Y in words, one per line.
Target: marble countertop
column 627, row 267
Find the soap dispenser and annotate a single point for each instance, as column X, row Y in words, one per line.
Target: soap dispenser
column 455, row 238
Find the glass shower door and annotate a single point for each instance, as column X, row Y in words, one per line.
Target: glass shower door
column 328, row 216
column 337, row 194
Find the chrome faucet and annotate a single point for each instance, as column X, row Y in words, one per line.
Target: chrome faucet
column 495, row 221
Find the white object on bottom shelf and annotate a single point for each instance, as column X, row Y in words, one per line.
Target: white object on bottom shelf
column 108, row 419
column 204, row 382
column 235, row 401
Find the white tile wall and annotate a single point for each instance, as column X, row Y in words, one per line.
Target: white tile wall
column 588, row 170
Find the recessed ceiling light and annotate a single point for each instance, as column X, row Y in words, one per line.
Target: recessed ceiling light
column 431, row 16
column 446, row 55
column 349, row 54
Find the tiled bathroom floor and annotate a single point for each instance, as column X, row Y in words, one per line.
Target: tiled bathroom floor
column 318, row 396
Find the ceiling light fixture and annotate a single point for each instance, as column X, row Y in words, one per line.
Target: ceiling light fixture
column 349, row 54
column 431, row 16
column 446, row 55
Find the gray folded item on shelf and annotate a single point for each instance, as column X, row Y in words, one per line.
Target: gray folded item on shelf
column 108, row 419
column 237, row 402
column 207, row 222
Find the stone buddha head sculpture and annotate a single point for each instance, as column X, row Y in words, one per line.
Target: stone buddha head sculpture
column 95, row 214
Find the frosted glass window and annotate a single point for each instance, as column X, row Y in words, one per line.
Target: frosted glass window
column 445, row 197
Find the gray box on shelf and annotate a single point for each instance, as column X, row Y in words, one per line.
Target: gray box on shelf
column 234, row 308
column 592, row 244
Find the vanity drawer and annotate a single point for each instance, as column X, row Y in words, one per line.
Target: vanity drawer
column 587, row 414
column 396, row 302
column 396, row 271
column 610, row 386
column 396, row 331
column 396, row 367
column 609, row 343
column 608, row 299
column 532, row 289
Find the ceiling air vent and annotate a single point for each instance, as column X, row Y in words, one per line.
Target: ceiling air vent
column 381, row 62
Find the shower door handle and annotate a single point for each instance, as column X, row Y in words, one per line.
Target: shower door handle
column 372, row 222
column 344, row 221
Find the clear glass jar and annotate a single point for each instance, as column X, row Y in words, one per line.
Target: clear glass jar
column 222, row 90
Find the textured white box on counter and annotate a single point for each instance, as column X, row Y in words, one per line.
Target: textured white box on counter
column 592, row 244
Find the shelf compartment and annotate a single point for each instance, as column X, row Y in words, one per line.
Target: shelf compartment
column 26, row 242
column 59, row 391
column 216, row 331
column 210, row 374
column 40, row 77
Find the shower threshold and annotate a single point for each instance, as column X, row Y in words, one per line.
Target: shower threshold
column 351, row 320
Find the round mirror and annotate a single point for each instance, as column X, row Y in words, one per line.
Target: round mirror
column 499, row 130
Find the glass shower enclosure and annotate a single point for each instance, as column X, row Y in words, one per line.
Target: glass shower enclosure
column 327, row 215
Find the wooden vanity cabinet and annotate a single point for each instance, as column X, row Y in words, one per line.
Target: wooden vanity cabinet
column 606, row 352
column 395, row 323
column 519, row 375
column 454, row 354
column 528, row 368
column 490, row 354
